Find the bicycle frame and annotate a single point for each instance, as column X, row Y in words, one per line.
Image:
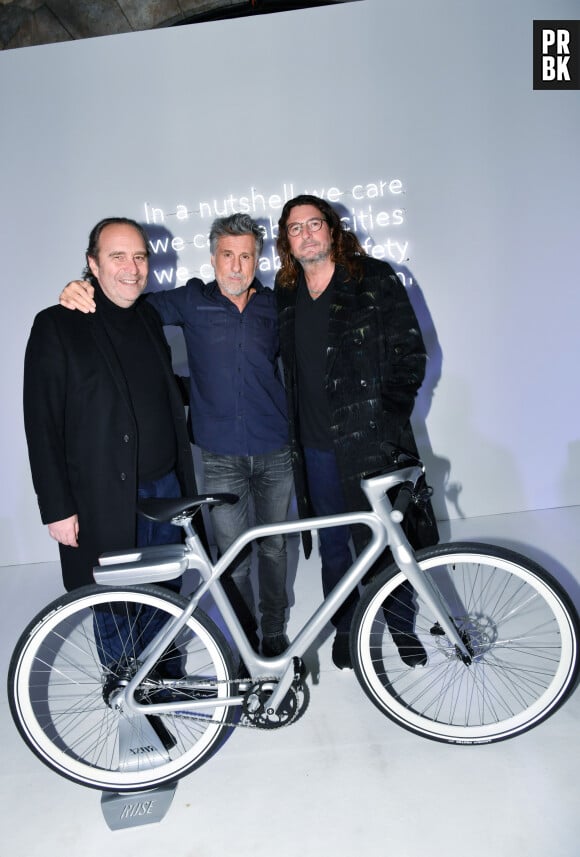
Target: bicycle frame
column 163, row 562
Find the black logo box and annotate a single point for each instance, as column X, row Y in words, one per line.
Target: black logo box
column 559, row 42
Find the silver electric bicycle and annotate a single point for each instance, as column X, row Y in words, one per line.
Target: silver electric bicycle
column 496, row 637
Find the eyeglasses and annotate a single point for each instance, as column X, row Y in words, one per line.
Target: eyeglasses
column 312, row 225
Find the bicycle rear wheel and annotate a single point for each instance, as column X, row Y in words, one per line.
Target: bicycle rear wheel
column 61, row 688
column 520, row 626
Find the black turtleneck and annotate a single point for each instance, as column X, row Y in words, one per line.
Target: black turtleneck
column 147, row 386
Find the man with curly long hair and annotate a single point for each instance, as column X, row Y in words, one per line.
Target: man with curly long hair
column 354, row 360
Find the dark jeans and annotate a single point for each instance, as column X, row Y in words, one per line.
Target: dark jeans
column 123, row 631
column 266, row 482
column 326, row 497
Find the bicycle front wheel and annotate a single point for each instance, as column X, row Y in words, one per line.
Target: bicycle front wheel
column 75, row 656
column 520, row 628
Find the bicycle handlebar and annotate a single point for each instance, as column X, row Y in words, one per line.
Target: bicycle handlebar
column 401, row 504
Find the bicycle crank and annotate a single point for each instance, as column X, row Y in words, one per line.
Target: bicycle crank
column 259, row 713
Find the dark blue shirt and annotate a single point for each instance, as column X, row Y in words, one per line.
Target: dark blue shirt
column 238, row 402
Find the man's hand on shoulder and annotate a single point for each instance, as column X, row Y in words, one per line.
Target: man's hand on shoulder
column 78, row 295
column 66, row 532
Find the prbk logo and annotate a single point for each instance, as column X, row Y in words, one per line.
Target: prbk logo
column 556, row 54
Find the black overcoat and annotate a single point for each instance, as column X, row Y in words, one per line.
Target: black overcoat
column 82, row 433
column 375, row 364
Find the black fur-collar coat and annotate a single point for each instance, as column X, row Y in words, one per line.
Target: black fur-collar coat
column 375, row 364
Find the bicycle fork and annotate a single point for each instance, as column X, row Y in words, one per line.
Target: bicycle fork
column 431, row 594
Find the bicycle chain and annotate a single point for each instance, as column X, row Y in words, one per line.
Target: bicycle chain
column 240, row 723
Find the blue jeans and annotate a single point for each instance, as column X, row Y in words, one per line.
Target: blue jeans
column 123, row 633
column 326, row 498
column 267, row 481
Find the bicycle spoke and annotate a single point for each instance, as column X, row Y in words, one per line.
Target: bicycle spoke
column 71, row 664
column 519, row 628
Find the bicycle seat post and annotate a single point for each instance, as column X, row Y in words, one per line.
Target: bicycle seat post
column 192, row 538
column 190, row 534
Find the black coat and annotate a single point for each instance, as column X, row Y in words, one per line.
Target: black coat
column 375, row 365
column 82, row 433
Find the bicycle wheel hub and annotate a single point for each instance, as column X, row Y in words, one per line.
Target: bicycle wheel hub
column 478, row 632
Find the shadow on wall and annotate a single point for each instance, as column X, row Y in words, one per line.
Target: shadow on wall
column 438, row 468
column 269, row 259
column 163, row 265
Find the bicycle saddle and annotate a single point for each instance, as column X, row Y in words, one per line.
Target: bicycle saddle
column 163, row 509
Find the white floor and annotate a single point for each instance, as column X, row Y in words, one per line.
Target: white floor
column 343, row 780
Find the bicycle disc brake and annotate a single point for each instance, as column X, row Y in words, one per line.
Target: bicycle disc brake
column 258, row 713
column 477, row 632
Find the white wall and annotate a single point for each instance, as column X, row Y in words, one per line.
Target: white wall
column 435, row 95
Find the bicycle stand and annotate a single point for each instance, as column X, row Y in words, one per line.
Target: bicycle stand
column 136, row 808
column 132, row 809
